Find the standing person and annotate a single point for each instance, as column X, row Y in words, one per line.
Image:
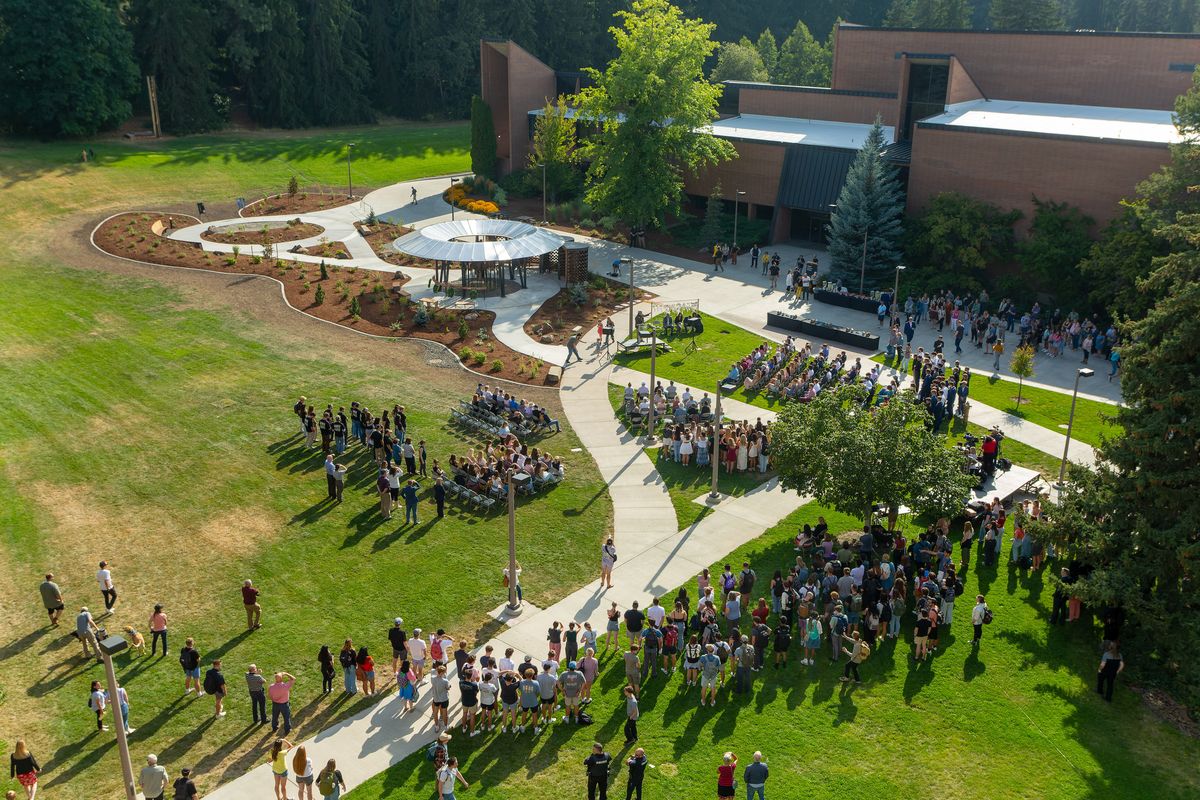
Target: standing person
column 1062, row 594
column 184, row 788
column 744, row 657
column 397, row 638
column 256, row 684
column 97, row 703
column 812, row 639
column 725, row 775
column 280, row 692
column 597, row 772
column 85, row 631
column 384, row 485
column 279, row 767
column 447, row 777
column 439, row 497
column 330, row 782
column 24, row 767
column 189, row 660
column 613, row 628
column 590, row 668
column 632, row 713
column 417, row 650
column 634, row 621
column 468, row 692
column 410, row 456
column 158, row 629
column 755, row 775
column 710, row 668
column 214, row 684
column 980, row 616
column 409, row 493
column 858, row 652
column 439, row 687
column 52, row 599
column 633, row 673
column 153, row 779
column 571, row 684
column 107, row 588
column 303, row 767
column 547, row 683
column 1111, row 665
column 123, row 707
column 608, row 559
column 636, row 764
column 250, row 601
column 331, row 482
column 348, row 659
column 325, row 665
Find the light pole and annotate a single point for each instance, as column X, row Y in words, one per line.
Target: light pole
column 1082, row 372
column 896, row 291
column 349, row 175
column 628, row 262
column 543, row 166
column 653, row 353
column 452, row 182
column 862, row 270
column 714, row 452
column 514, row 480
column 736, row 194
column 109, row 648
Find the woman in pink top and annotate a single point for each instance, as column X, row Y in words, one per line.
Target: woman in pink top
column 158, row 629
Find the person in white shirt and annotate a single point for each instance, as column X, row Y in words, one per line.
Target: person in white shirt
column 978, row 614
column 104, row 578
column 416, row 652
column 656, row 613
column 447, row 777
column 506, row 663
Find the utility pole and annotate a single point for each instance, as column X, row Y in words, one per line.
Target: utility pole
column 714, row 453
column 152, row 94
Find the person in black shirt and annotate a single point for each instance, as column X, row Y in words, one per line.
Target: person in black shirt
column 397, row 637
column 634, row 619
column 637, row 771
column 597, row 771
column 439, row 497
column 184, row 788
column 338, row 427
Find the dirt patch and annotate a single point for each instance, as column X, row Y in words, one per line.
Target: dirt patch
column 381, row 235
column 301, row 202
column 554, row 319
column 330, row 250
column 334, row 293
column 291, row 231
column 241, row 531
column 1167, row 708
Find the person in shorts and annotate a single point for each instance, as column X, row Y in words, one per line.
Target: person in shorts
column 51, row 599
column 633, row 673
column 590, row 667
column 417, row 650
column 509, row 700
column 710, row 668
column 531, row 698
column 488, row 690
column 548, row 693
column 439, row 686
column 571, row 684
column 468, row 690
column 189, row 660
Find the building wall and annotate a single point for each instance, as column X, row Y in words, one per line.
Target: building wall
column 531, row 84
column 493, row 76
column 962, row 87
column 816, row 104
column 1125, row 70
column 1008, row 170
column 755, row 171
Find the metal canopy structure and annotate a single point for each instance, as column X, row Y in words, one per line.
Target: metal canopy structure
column 475, row 241
column 483, row 248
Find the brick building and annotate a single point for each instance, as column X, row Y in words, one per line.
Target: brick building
column 1076, row 117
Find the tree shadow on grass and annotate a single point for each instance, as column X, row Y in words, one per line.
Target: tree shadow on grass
column 18, row 646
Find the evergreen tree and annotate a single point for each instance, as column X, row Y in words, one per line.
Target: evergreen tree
column 483, row 138
column 67, row 68
column 768, row 51
column 738, row 61
column 942, row 14
column 803, row 61
column 380, row 18
column 1025, row 15
column 334, row 64
column 451, row 78
column 175, row 42
column 865, row 229
column 272, row 76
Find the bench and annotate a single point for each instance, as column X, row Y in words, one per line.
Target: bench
column 728, row 386
column 634, row 345
column 554, row 374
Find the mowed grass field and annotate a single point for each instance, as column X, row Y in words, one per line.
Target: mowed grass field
column 142, row 429
column 1017, row 719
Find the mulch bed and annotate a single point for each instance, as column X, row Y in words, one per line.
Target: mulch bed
column 298, row 203
column 384, row 309
column 381, row 235
column 292, row 232
column 554, row 319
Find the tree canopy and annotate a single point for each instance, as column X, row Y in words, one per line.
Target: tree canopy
column 554, row 146
column 851, row 457
column 649, row 105
column 956, row 238
column 739, row 61
column 802, row 60
column 1025, row 15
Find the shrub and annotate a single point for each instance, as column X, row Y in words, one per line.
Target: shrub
column 352, row 270
column 420, row 318
column 372, row 220
column 500, row 197
column 255, row 259
column 395, row 326
column 355, row 308
column 578, row 293
column 497, row 365
column 324, row 271
column 608, row 223
column 305, row 287
column 385, row 306
column 319, row 297
column 466, row 354
column 479, row 358
column 463, row 329
column 587, row 222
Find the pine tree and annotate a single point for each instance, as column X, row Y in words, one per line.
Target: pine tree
column 803, row 61
column 865, row 229
column 483, row 138
column 271, row 72
column 174, row 41
column 942, row 14
column 1025, row 15
column 380, row 18
column 710, row 231
column 768, row 51
column 334, row 64
column 66, row 69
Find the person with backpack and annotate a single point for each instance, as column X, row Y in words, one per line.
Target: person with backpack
column 348, row 658
column 859, row 651
column 447, row 777
column 189, row 660
column 330, row 782
column 746, row 580
column 839, row 624
column 184, row 788
column 214, row 684
column 670, row 648
column 980, row 615
column 744, row 657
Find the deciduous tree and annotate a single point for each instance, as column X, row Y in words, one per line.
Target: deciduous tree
column 739, row 61
column 554, row 146
column 803, row 61
column 955, row 238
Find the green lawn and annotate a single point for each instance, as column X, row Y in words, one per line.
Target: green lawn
column 1043, row 407
column 1018, row 719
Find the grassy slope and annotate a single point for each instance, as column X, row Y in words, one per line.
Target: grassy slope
column 1017, row 720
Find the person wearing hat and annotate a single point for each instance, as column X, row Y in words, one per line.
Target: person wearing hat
column 744, row 659
column 597, row 772
column 398, row 639
column 571, row 684
column 85, row 631
column 441, row 750
column 184, row 788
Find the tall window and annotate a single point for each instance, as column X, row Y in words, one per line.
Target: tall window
column 927, row 85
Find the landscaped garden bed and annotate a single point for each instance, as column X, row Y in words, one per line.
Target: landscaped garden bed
column 363, row 300
column 267, row 233
column 299, row 202
column 581, row 304
column 380, row 236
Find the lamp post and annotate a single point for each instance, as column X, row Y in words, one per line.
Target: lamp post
column 452, row 182
column 109, row 648
column 862, row 269
column 515, row 480
column 349, row 175
column 1082, row 372
column 714, row 452
column 653, row 353
column 543, row 166
column 628, row 262
column 736, row 194
column 896, row 291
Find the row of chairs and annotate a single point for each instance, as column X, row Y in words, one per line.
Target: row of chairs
column 481, row 501
column 475, row 424
column 494, row 419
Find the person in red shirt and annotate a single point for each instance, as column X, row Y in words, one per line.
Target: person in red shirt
column 725, row 774
column 250, row 601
